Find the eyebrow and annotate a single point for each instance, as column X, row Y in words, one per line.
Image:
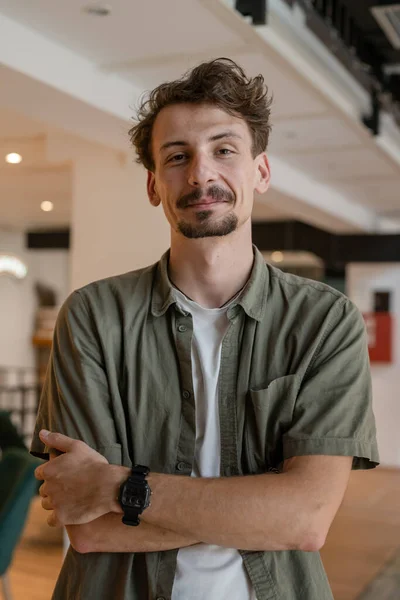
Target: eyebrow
column 213, row 138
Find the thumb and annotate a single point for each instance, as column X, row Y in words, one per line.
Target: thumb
column 58, row 441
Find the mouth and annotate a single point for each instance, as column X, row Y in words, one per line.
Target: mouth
column 204, row 203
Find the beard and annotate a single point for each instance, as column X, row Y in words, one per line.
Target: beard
column 206, row 226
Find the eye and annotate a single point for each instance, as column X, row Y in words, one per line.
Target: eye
column 177, row 157
column 225, row 151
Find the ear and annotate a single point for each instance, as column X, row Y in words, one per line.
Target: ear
column 151, row 189
column 263, row 174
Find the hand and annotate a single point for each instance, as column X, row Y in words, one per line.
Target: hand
column 75, row 482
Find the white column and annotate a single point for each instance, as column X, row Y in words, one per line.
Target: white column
column 361, row 281
column 114, row 228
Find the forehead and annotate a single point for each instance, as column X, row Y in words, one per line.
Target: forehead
column 195, row 122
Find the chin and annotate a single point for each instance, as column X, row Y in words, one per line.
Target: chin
column 221, row 228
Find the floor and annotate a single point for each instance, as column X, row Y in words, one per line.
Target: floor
column 37, row 559
column 363, row 537
column 365, row 533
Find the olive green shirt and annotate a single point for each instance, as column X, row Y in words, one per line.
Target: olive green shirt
column 294, row 380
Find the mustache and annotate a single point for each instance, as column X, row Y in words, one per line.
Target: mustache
column 215, row 192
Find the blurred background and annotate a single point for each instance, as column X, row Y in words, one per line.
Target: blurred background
column 73, row 208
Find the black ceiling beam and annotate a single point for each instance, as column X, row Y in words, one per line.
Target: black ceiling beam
column 372, row 121
column 49, row 239
column 368, row 248
column 256, row 9
column 336, row 250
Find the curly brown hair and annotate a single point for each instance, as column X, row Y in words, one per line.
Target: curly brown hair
column 220, row 82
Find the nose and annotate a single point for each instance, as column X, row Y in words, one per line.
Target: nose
column 201, row 171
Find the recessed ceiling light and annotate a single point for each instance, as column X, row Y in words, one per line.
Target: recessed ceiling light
column 47, row 206
column 97, row 10
column 13, row 158
column 277, row 256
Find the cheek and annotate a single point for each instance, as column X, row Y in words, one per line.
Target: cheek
column 169, row 199
column 169, row 187
column 242, row 178
column 245, row 188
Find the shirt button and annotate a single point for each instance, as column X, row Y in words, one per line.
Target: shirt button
column 182, row 328
column 181, row 466
column 186, row 395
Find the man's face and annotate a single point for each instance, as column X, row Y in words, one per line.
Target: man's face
column 205, row 175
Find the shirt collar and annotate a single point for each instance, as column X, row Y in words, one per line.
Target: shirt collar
column 162, row 295
column 253, row 298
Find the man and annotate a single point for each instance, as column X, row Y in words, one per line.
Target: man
column 210, row 364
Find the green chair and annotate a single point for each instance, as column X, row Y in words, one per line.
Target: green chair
column 17, row 488
column 9, row 436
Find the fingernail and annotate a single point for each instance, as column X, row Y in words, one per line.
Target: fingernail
column 44, row 433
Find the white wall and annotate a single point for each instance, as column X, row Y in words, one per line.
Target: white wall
column 114, row 227
column 18, row 301
column 361, row 281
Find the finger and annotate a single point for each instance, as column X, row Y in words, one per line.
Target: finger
column 47, row 503
column 57, row 440
column 54, row 453
column 42, row 490
column 39, row 473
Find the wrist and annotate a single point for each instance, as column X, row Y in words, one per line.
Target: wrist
column 135, row 495
column 155, row 481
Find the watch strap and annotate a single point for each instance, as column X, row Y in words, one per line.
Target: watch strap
column 140, row 471
column 137, row 477
column 131, row 517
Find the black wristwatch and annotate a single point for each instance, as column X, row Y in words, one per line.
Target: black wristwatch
column 135, row 495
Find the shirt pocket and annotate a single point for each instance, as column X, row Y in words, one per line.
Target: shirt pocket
column 268, row 415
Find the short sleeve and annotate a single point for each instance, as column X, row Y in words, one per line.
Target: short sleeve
column 75, row 399
column 333, row 411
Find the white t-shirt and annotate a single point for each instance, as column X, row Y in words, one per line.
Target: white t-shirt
column 205, row 571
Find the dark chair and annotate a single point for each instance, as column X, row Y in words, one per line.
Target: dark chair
column 9, row 436
column 17, row 488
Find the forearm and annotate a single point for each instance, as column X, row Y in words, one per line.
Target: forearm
column 289, row 511
column 109, row 534
column 250, row 513
column 256, row 512
column 261, row 512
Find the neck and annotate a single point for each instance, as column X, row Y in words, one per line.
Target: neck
column 211, row 271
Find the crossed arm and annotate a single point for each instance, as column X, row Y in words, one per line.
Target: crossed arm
column 290, row 510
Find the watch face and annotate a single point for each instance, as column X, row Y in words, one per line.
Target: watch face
column 135, row 496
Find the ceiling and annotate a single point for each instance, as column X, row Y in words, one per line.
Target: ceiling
column 145, row 43
column 25, row 186
column 134, row 30
column 22, row 192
